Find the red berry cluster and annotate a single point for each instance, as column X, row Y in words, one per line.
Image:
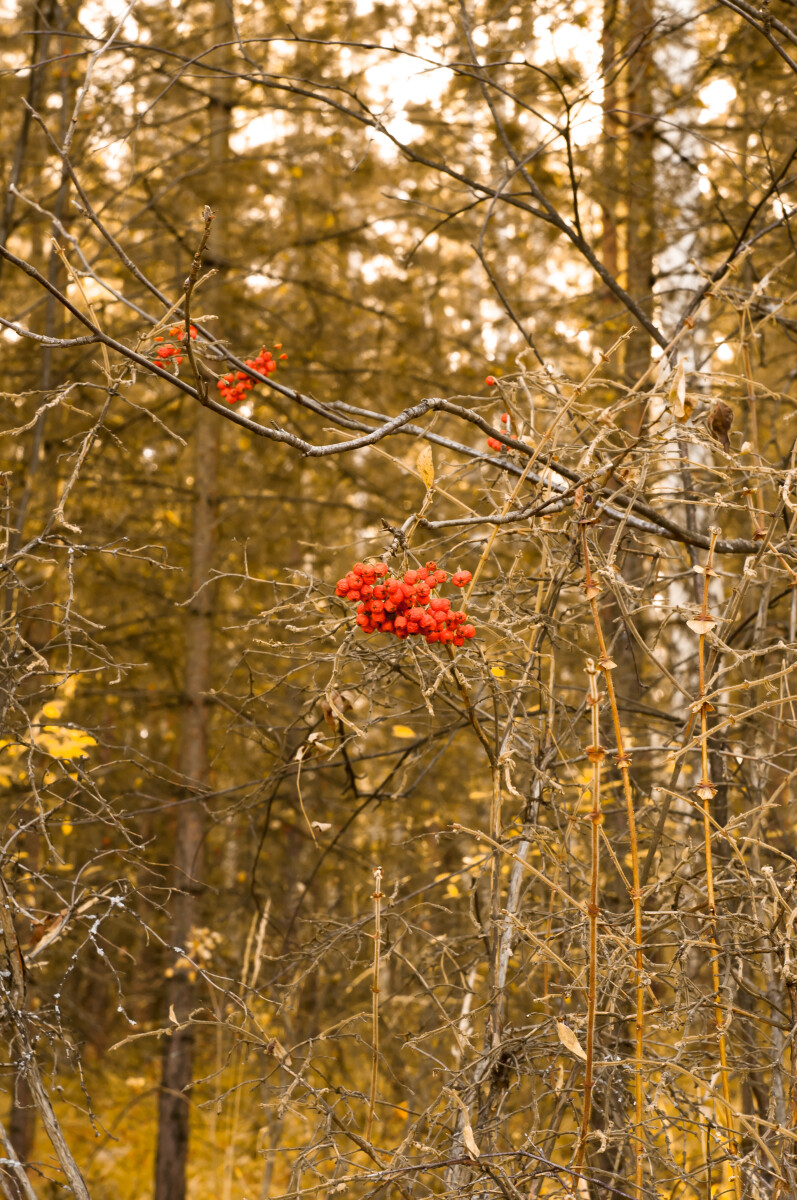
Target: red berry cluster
column 494, row 443
column 170, row 351
column 235, row 385
column 406, row 606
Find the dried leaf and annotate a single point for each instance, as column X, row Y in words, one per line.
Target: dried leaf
column 425, row 465
column 470, row 1141
column 677, row 394
column 570, row 1041
column 700, row 626
column 663, row 373
column 467, row 1129
column 276, row 1049
column 719, row 421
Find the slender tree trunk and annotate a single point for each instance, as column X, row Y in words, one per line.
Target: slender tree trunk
column 174, row 1104
column 640, row 179
column 48, row 19
column 21, row 1127
column 610, row 185
column 45, row 20
column 177, row 1068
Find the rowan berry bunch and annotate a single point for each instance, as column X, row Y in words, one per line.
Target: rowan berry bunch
column 167, row 350
column 234, row 386
column 494, row 443
column 406, row 607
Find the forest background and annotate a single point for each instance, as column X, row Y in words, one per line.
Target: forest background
column 292, row 908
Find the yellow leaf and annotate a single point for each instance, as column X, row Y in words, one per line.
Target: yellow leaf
column 66, row 828
column 52, row 710
column 425, row 465
column 64, row 743
column 499, row 672
column 403, row 731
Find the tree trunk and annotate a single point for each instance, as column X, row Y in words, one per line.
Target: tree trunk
column 21, row 1127
column 177, row 1071
column 610, row 184
column 640, row 178
column 174, row 1105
